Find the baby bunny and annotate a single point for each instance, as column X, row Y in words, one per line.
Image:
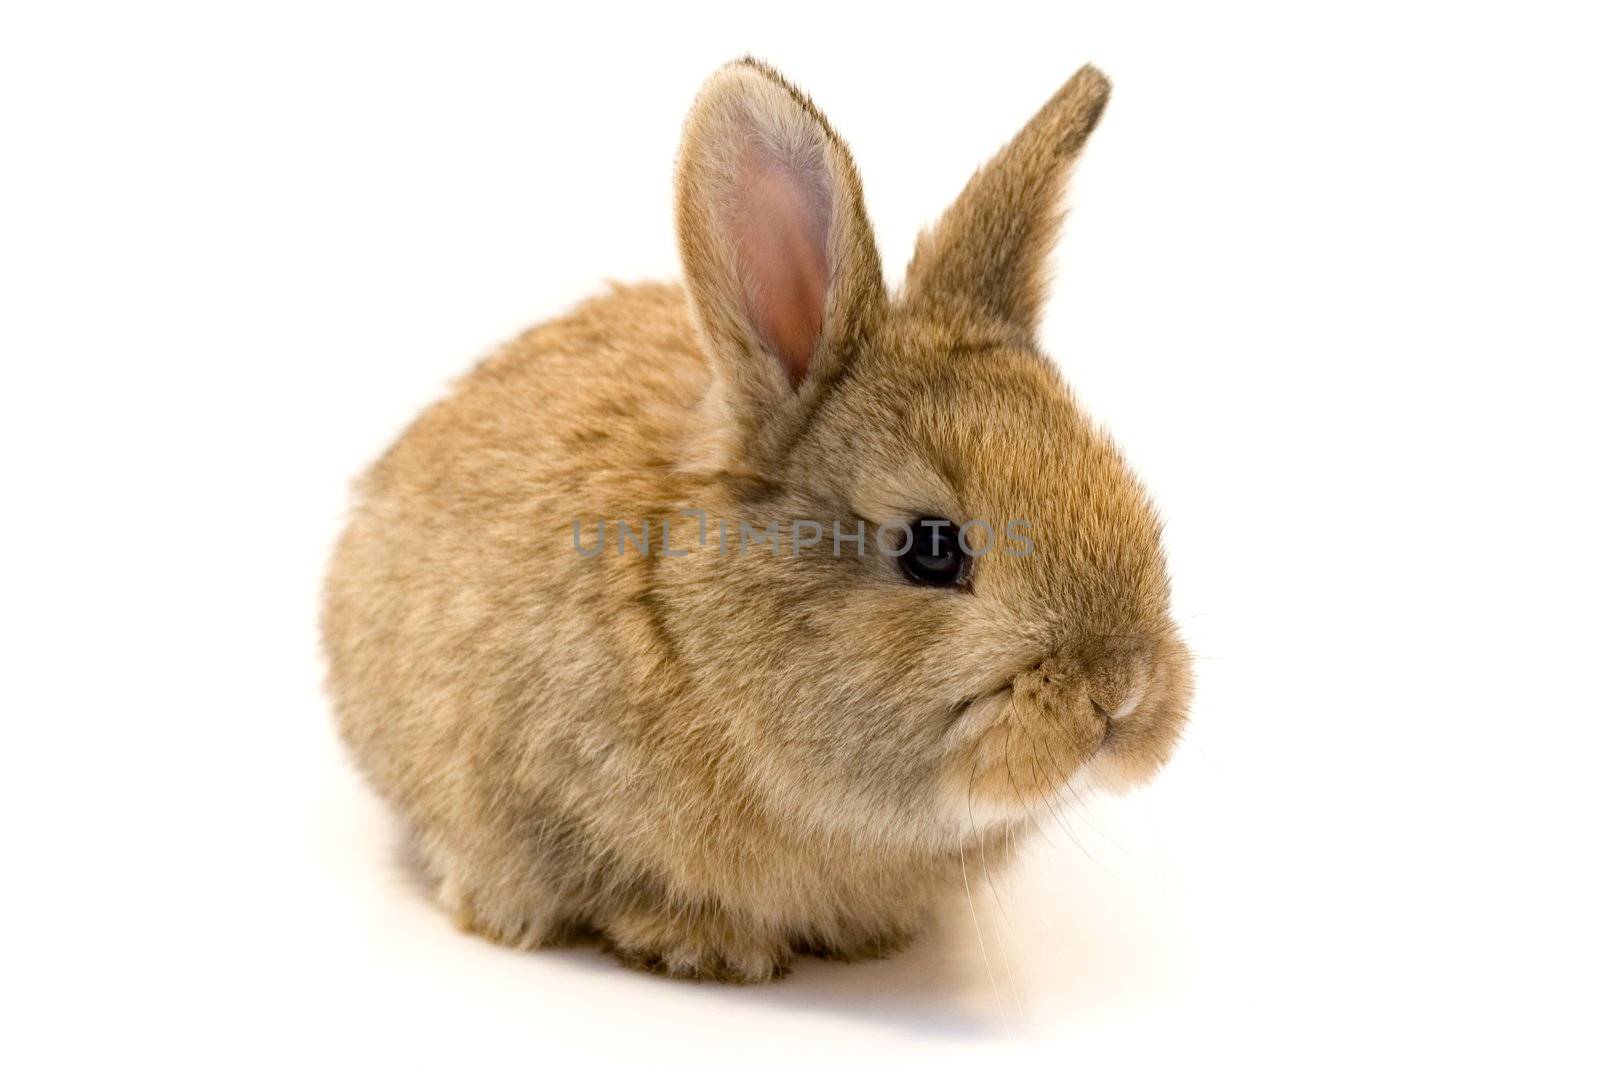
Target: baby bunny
column 725, row 622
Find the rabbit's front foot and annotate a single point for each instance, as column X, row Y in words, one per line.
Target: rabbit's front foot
column 516, row 921
column 696, row 944
column 878, row 944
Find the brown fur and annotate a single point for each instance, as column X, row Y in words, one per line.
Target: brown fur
column 712, row 762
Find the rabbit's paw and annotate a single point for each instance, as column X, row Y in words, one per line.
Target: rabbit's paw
column 877, row 944
column 697, row 946
column 519, row 922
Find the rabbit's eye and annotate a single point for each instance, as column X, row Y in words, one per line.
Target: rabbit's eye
column 934, row 556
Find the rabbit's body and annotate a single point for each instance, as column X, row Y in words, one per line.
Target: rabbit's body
column 712, row 751
column 522, row 705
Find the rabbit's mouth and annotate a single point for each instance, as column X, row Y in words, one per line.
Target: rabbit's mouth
column 1009, row 751
column 1104, row 714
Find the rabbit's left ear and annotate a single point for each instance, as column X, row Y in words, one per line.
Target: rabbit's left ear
column 782, row 270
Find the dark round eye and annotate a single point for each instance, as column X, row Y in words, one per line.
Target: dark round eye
column 934, row 556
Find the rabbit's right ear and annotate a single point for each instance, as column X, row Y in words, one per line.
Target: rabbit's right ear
column 988, row 254
column 783, row 275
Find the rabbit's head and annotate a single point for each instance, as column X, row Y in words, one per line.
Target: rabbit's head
column 964, row 615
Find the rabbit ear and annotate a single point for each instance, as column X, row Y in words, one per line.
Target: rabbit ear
column 781, row 267
column 988, row 253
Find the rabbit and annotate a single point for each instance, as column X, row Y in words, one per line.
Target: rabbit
column 572, row 643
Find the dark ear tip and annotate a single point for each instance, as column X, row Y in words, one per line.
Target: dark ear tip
column 760, row 66
column 1081, row 103
column 742, row 70
column 762, row 69
column 1091, row 81
column 767, row 71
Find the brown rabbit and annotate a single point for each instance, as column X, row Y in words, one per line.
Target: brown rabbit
column 726, row 622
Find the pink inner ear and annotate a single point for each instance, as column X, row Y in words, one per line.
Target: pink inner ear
column 781, row 231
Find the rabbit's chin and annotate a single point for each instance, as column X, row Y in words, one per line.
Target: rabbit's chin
column 976, row 816
column 979, row 816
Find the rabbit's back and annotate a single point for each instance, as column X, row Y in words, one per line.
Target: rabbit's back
column 463, row 629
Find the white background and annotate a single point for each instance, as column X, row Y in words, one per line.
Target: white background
column 1330, row 278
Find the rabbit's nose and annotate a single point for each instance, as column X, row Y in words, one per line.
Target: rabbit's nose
column 1122, row 709
column 1118, row 671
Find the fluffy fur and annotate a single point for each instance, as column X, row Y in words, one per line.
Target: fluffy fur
column 713, row 761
